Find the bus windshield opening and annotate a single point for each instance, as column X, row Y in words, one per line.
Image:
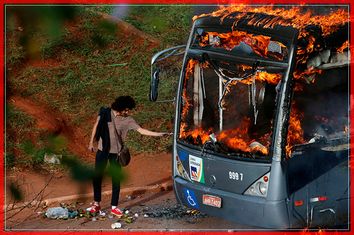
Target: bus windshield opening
column 231, row 104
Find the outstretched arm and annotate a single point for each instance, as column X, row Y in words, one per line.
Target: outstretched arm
column 151, row 133
column 94, row 129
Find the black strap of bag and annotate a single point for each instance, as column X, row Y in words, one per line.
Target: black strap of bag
column 123, row 153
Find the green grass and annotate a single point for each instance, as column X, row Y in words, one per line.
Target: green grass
column 23, row 137
column 19, row 126
column 95, row 66
column 171, row 24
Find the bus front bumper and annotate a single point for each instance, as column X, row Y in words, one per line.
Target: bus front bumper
column 246, row 210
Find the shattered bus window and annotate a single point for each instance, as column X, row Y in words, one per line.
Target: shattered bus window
column 319, row 113
column 236, row 103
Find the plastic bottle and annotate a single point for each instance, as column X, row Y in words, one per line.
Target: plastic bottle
column 73, row 214
column 57, row 213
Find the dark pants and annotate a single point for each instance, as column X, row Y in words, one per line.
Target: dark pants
column 114, row 171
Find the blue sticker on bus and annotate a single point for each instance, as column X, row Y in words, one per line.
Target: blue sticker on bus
column 183, row 155
column 190, row 197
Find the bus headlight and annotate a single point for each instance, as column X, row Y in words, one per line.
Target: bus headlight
column 262, row 187
column 259, row 188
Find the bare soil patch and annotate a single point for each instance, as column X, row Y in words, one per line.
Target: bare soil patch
column 53, row 122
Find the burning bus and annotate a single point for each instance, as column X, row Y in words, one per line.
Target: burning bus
column 262, row 116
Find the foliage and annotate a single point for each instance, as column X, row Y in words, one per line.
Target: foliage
column 24, row 22
column 86, row 65
column 79, row 171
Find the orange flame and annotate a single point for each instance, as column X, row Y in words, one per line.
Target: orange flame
column 343, row 47
column 307, row 75
column 187, row 106
column 294, row 17
column 237, row 139
column 198, row 132
column 270, row 78
column 295, row 132
column 297, row 17
column 244, row 67
column 189, row 72
column 230, row 40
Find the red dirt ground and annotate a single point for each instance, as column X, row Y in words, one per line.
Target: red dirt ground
column 53, row 122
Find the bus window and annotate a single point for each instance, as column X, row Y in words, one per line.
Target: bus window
column 320, row 110
column 238, row 113
column 241, row 43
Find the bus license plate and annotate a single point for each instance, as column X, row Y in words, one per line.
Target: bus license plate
column 212, row 201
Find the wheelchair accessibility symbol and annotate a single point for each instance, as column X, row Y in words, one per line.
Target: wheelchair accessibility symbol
column 190, row 198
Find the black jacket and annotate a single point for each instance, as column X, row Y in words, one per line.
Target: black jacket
column 102, row 130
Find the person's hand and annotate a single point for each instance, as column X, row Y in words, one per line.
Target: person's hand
column 91, row 148
column 167, row 133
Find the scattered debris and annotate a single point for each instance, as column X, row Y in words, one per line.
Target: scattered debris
column 52, row 158
column 128, row 219
column 73, row 214
column 116, row 225
column 177, row 211
column 57, row 213
column 71, row 211
column 102, row 213
column 102, row 218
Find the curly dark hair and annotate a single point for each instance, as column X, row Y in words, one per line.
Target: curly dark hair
column 122, row 103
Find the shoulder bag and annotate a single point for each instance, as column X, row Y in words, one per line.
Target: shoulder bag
column 123, row 154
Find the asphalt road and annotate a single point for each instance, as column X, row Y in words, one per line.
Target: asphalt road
column 162, row 213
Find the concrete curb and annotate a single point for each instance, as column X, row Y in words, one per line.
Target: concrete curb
column 133, row 191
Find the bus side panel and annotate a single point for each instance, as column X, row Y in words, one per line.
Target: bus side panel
column 319, row 189
column 333, row 210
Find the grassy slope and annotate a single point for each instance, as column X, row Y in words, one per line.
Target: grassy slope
column 83, row 69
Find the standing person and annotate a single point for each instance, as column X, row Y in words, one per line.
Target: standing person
column 111, row 122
